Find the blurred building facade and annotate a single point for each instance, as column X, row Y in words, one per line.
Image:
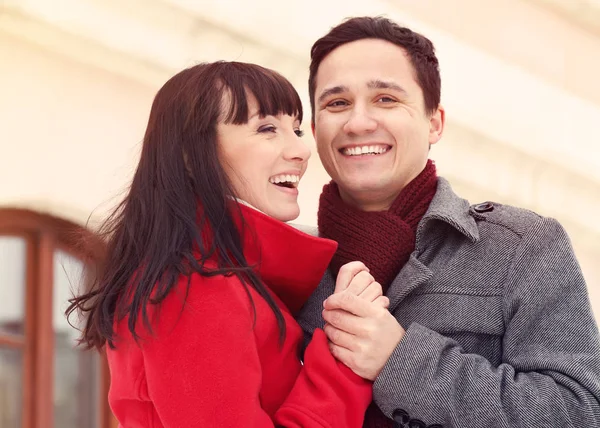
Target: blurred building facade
column 77, row 77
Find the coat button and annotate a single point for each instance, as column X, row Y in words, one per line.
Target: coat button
column 415, row 423
column 484, row 207
column 400, row 416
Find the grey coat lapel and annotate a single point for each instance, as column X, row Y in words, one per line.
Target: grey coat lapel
column 413, row 274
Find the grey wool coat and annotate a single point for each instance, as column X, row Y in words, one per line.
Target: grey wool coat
column 499, row 327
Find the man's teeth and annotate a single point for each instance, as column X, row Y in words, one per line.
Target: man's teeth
column 285, row 179
column 364, row 150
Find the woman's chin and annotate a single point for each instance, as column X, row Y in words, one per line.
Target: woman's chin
column 284, row 213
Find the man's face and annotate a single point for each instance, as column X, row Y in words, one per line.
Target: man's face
column 370, row 125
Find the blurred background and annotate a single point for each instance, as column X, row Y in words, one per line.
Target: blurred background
column 77, row 78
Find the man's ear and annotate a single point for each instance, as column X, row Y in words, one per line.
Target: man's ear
column 436, row 125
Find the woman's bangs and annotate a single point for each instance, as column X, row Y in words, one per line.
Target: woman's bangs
column 273, row 93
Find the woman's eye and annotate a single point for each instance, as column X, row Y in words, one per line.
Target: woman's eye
column 267, row 128
column 299, row 132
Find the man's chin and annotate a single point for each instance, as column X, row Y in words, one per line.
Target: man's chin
column 362, row 186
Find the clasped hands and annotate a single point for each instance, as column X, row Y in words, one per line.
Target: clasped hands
column 362, row 332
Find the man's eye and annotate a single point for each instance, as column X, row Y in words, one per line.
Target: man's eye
column 267, row 128
column 386, row 100
column 337, row 103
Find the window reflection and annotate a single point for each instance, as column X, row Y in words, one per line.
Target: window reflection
column 11, row 374
column 13, row 264
column 76, row 372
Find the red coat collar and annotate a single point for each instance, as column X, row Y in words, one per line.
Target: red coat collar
column 290, row 262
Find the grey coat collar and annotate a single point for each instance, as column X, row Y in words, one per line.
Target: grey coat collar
column 448, row 207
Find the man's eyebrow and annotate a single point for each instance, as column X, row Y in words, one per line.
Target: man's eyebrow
column 332, row 91
column 382, row 84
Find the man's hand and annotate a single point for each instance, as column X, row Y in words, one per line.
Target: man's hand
column 363, row 334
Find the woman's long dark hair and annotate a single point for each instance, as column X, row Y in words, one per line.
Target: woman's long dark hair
column 178, row 191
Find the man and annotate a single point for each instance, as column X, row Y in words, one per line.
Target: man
column 489, row 323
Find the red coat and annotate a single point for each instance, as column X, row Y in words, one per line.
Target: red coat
column 206, row 366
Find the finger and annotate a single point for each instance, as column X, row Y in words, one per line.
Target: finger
column 350, row 303
column 360, row 282
column 382, row 301
column 346, row 273
column 342, row 354
column 345, row 321
column 372, row 292
column 340, row 337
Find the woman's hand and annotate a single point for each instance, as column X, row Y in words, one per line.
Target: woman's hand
column 354, row 278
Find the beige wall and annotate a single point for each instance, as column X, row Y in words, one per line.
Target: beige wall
column 69, row 133
column 73, row 112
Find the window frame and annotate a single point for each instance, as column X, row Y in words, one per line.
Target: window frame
column 44, row 234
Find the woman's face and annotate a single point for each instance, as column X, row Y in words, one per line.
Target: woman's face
column 264, row 160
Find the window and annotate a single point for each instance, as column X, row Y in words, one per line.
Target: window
column 45, row 381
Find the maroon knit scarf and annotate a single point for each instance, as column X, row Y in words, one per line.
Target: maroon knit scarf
column 382, row 240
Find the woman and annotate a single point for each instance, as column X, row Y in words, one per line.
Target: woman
column 202, row 277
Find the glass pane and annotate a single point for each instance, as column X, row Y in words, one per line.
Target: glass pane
column 11, row 389
column 13, row 257
column 76, row 372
